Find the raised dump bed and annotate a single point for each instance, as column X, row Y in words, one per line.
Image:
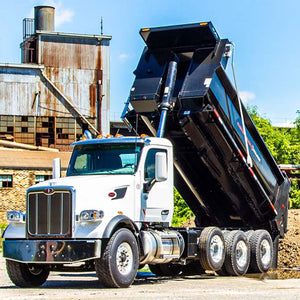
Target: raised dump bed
column 205, row 126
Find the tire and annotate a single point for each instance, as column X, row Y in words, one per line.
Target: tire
column 237, row 253
column 24, row 275
column 222, row 271
column 165, row 269
column 249, row 233
column 211, row 249
column 261, row 246
column 119, row 262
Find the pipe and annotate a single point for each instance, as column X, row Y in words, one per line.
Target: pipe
column 56, row 168
column 168, row 92
column 25, row 146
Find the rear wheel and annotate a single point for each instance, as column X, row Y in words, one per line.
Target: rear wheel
column 249, row 233
column 261, row 251
column 24, row 275
column 237, row 253
column 211, row 248
column 120, row 261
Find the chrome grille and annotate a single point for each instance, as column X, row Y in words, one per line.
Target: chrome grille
column 49, row 214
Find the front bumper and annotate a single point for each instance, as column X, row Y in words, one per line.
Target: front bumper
column 51, row 251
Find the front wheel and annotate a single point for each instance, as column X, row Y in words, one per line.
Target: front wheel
column 119, row 262
column 24, row 275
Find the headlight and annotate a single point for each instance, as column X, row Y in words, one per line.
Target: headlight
column 15, row 216
column 91, row 215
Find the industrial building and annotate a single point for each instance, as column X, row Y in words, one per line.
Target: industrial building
column 60, row 88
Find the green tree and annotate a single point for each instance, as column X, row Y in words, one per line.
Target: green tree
column 295, row 195
column 295, row 140
column 279, row 141
column 284, row 145
column 182, row 212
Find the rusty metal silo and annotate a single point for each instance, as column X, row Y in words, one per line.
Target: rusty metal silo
column 44, row 18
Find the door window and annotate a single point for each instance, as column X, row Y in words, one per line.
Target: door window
column 150, row 163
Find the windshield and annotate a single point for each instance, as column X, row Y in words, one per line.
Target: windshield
column 104, row 159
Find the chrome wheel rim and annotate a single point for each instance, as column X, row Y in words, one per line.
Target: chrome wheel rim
column 216, row 248
column 241, row 254
column 265, row 252
column 124, row 258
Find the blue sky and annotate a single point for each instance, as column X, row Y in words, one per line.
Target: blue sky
column 265, row 33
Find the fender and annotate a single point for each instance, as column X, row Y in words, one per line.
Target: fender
column 115, row 222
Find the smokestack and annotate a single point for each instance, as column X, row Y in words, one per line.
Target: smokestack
column 44, row 18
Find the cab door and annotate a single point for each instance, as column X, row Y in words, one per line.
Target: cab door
column 157, row 197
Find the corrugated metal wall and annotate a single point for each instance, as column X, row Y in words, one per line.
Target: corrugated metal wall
column 78, row 65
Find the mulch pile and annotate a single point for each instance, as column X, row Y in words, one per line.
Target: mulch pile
column 289, row 247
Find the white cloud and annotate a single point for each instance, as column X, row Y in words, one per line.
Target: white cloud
column 123, row 57
column 247, row 96
column 62, row 15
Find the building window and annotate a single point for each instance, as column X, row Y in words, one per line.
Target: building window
column 6, row 181
column 41, row 178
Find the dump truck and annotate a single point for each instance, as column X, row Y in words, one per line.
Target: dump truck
column 112, row 212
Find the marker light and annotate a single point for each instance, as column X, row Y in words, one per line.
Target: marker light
column 15, row 216
column 118, row 135
column 143, row 135
column 99, row 136
column 91, row 215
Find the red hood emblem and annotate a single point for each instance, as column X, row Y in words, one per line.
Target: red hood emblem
column 48, row 191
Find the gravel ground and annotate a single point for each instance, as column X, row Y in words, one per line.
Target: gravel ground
column 281, row 284
column 289, row 247
column 86, row 286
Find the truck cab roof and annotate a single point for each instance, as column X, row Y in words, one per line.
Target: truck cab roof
column 125, row 139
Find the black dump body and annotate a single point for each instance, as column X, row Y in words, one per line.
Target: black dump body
column 205, row 127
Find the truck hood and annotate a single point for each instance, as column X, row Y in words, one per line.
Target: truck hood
column 93, row 191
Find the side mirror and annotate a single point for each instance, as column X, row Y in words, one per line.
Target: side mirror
column 161, row 169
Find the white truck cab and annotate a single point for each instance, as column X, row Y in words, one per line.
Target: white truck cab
column 111, row 183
